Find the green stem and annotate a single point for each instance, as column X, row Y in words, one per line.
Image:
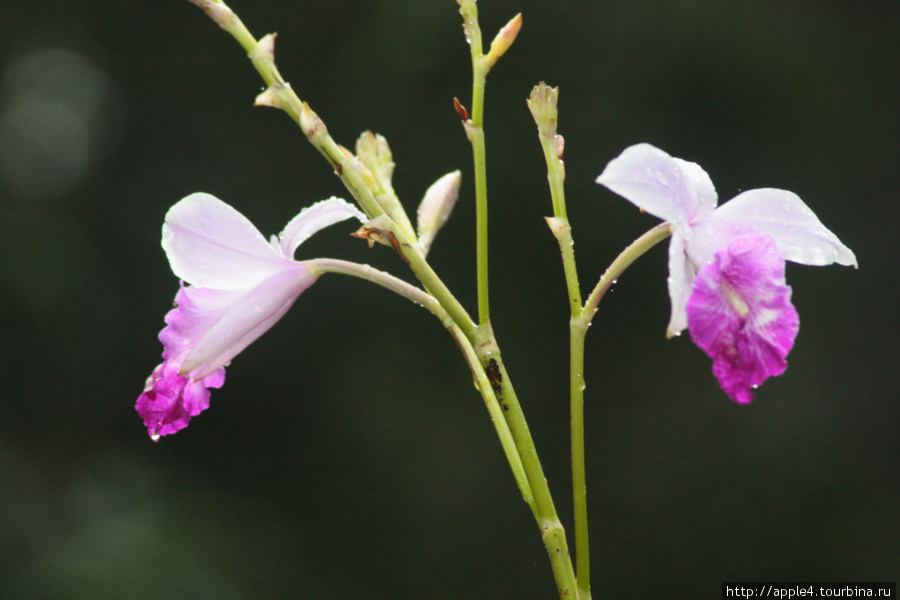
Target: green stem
column 578, row 327
column 475, row 131
column 481, row 219
column 577, row 333
column 410, row 251
column 482, row 382
column 552, row 531
column 551, row 528
column 543, row 106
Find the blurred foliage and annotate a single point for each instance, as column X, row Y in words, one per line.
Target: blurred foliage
column 348, row 455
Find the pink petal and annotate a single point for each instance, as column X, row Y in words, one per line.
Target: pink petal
column 205, row 330
column 740, row 314
column 223, row 324
column 170, row 400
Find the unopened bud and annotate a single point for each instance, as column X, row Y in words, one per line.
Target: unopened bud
column 217, row 11
column 373, row 151
column 436, row 206
column 460, row 109
column 504, row 39
column 542, row 104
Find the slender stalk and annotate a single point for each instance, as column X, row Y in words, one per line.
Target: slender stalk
column 552, row 531
column 635, row 250
column 482, row 383
column 475, row 131
column 481, row 219
column 551, row 528
column 543, row 106
column 577, row 332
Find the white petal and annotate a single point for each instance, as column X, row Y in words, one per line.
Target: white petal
column 670, row 188
column 313, row 218
column 211, row 245
column 797, row 231
column 681, row 277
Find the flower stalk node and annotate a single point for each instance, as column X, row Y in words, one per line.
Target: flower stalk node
column 312, row 125
column 270, row 97
column 373, row 232
column 265, row 49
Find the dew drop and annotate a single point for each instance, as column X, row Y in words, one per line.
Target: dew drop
column 155, row 437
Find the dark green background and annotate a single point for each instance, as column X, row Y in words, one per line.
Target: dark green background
column 348, row 455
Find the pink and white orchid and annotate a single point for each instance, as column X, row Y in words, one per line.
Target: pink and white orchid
column 241, row 285
column 726, row 264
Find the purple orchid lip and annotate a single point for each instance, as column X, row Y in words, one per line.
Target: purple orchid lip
column 740, row 314
column 702, row 250
column 241, row 285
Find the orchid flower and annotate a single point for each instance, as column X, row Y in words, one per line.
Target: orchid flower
column 726, row 264
column 241, row 285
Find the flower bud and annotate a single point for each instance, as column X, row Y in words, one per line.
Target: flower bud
column 373, row 151
column 504, row 39
column 542, row 104
column 436, row 206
